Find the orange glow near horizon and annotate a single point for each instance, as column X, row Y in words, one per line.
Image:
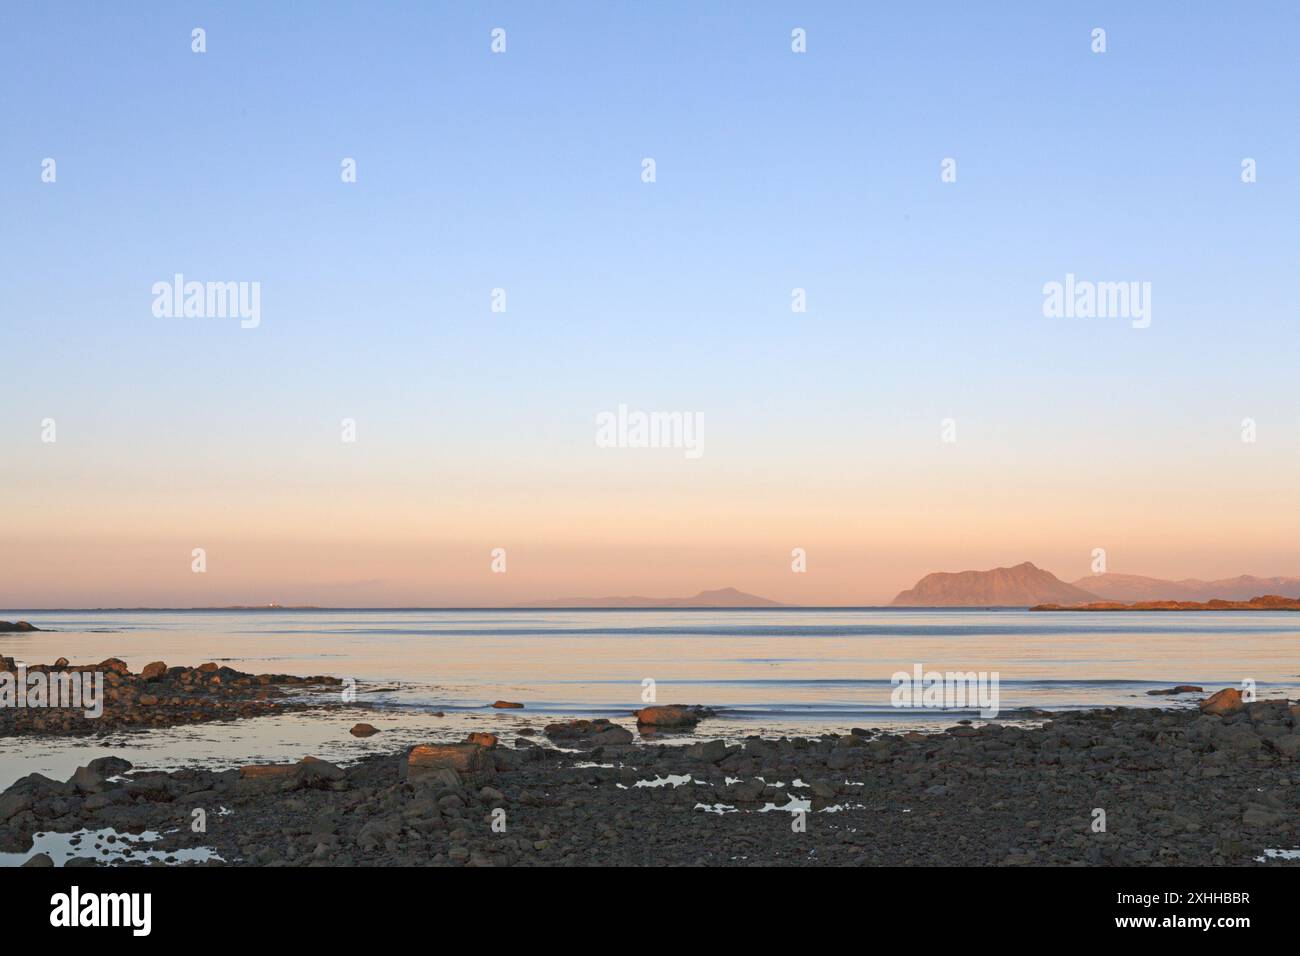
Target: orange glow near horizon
column 358, row 540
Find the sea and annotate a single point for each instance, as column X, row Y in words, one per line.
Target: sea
column 424, row 675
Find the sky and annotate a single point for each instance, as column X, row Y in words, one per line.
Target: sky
column 828, row 429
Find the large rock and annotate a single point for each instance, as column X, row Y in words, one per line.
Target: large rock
column 267, row 771
column 88, row 780
column 1273, row 710
column 749, row 791
column 109, row 766
column 709, row 750
column 589, row 733
column 11, row 804
column 471, row 762
column 378, row 831
column 154, row 671
column 363, row 730
column 1226, row 701
column 317, row 774
column 309, row 772
column 671, row 715
column 19, row 627
column 106, row 798
column 443, row 778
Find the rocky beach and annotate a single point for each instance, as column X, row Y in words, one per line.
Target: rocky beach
column 1214, row 784
column 157, row 696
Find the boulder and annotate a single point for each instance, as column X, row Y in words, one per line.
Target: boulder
column 1179, row 689
column 208, row 668
column 154, row 787
column 363, row 730
column 318, row 774
column 19, row 627
column 378, row 831
column 748, row 791
column 708, row 750
column 267, row 771
column 114, row 665
column 443, row 778
column 467, row 760
column 1226, row 701
column 671, row 715
column 591, row 733
column 482, row 739
column 507, row 705
column 106, row 798
column 87, row 780
column 12, row 804
column 1270, row 710
column 154, row 671
column 826, row 790
column 109, row 766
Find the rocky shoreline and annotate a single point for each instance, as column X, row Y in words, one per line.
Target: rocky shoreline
column 158, row 696
column 1267, row 602
column 1215, row 785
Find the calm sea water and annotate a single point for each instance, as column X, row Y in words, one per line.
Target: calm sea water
column 770, row 671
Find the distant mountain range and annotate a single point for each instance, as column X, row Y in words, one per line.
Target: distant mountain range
column 1021, row 586
column 1136, row 587
column 1026, row 585
column 722, row 597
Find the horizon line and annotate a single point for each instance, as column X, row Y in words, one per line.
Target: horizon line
column 516, row 607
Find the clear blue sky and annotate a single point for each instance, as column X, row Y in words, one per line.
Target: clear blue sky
column 521, row 170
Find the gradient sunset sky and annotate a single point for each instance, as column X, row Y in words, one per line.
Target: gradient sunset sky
column 522, row 170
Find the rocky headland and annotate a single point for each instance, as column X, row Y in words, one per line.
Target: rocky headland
column 1019, row 586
